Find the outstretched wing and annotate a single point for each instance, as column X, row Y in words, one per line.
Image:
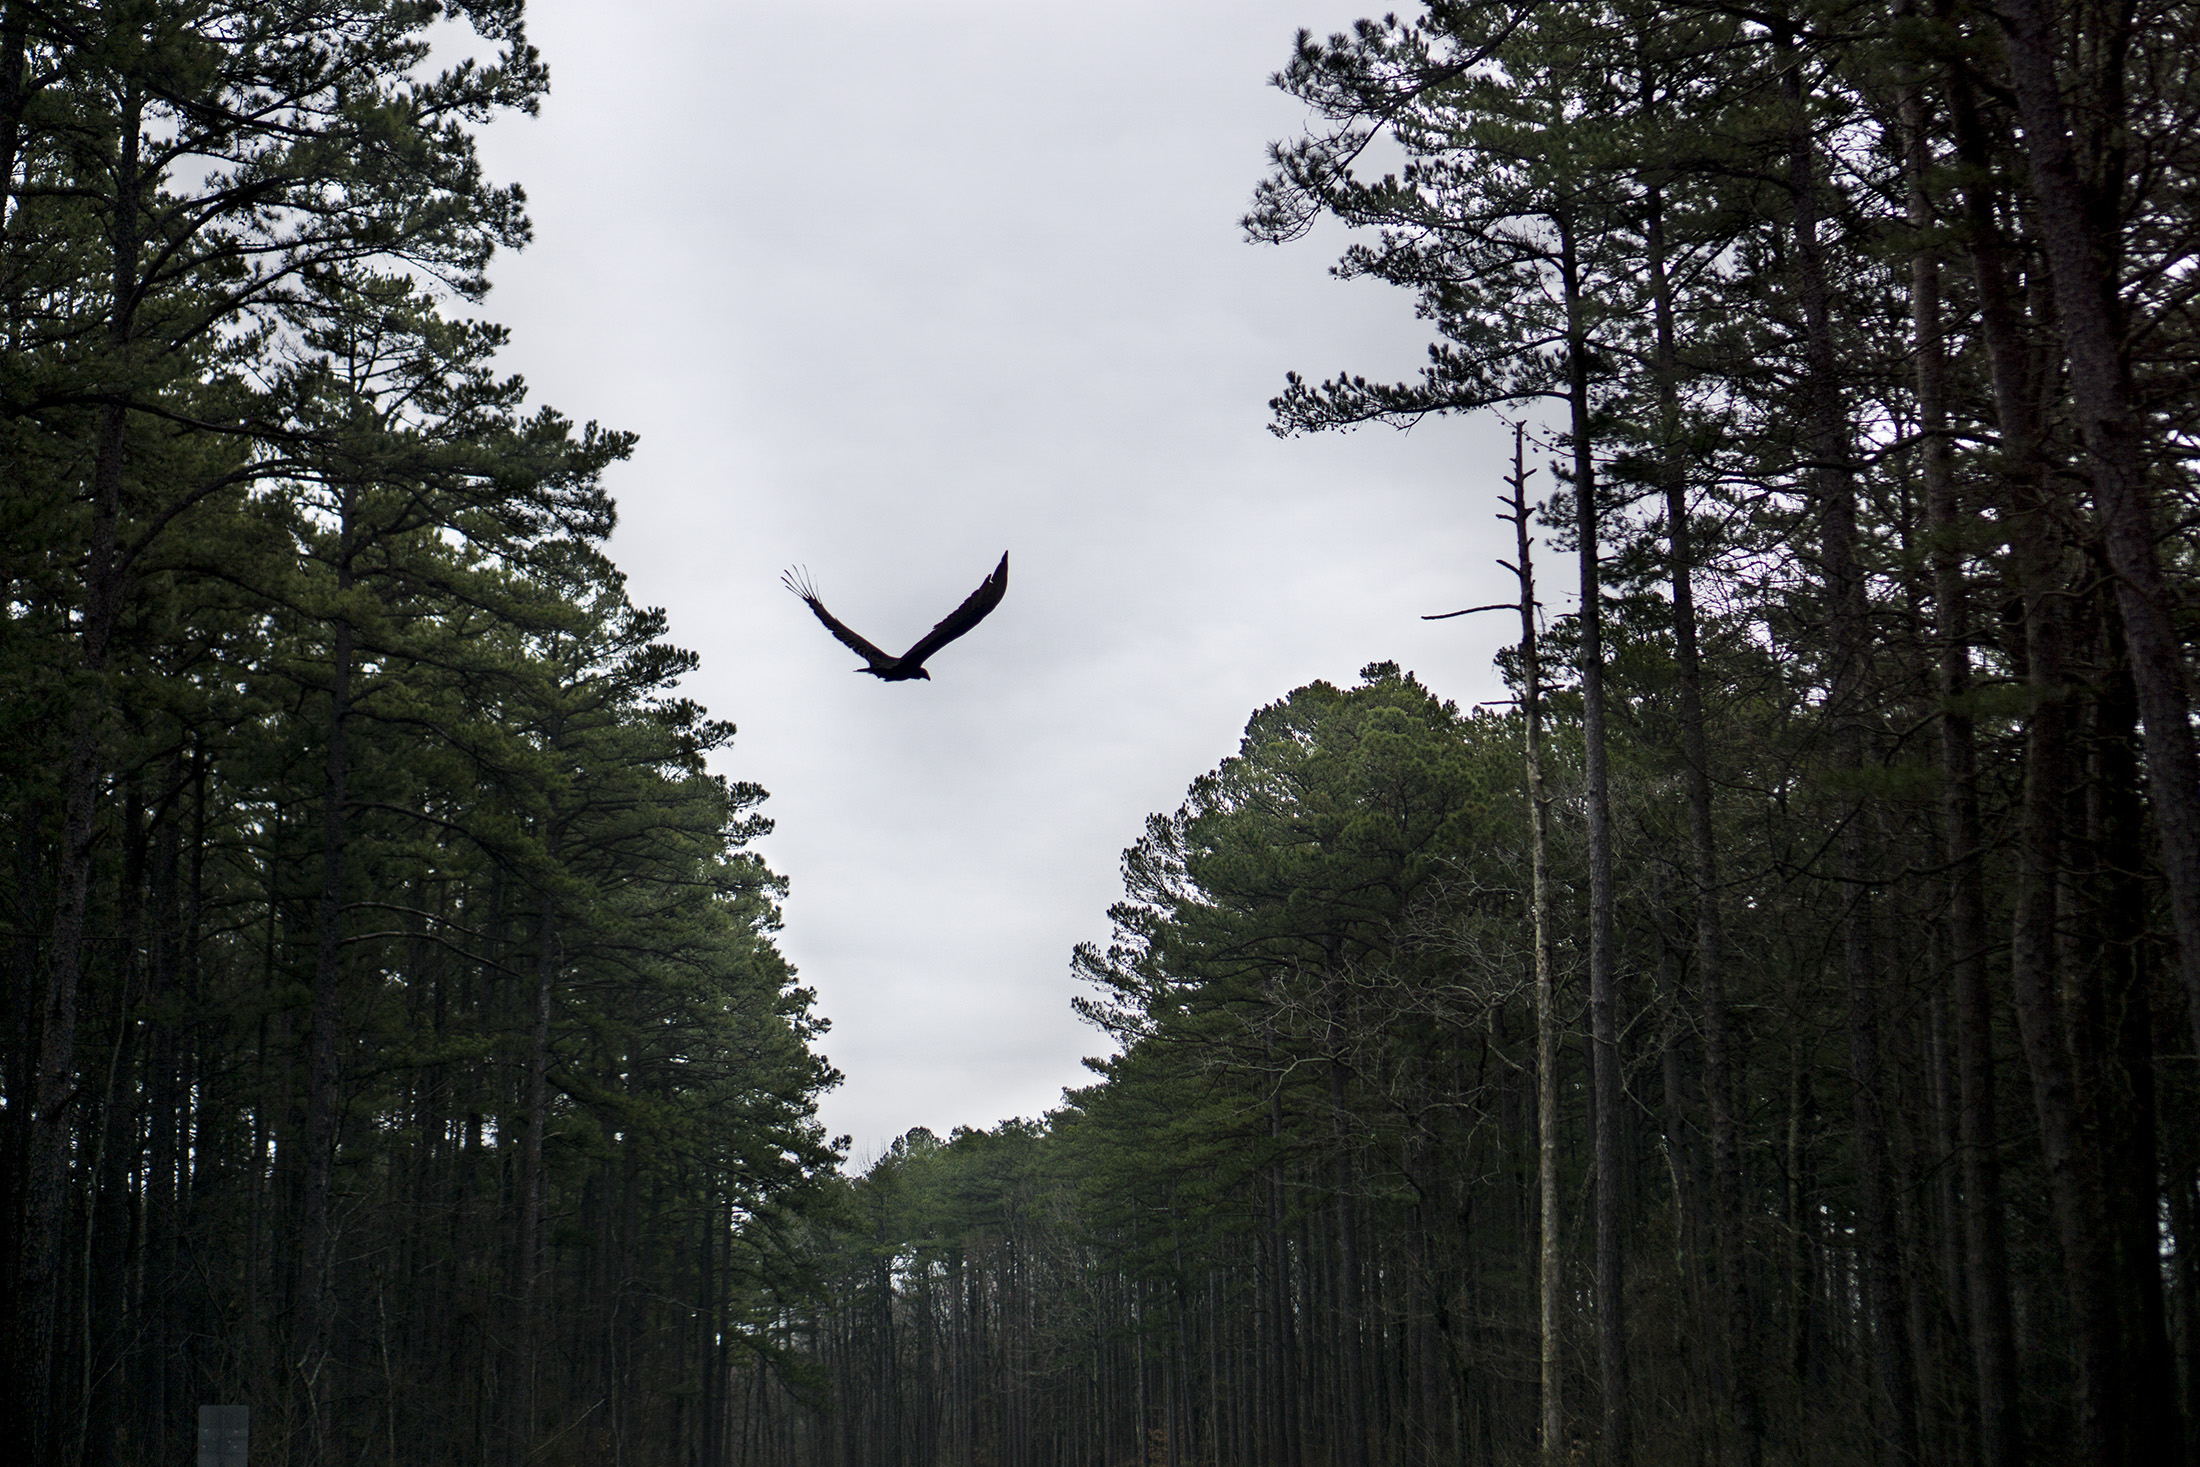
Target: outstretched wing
column 973, row 610
column 799, row 583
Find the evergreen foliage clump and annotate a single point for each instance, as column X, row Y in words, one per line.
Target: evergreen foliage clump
column 395, row 1040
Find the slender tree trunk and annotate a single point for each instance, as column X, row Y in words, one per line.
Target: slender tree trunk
column 97, row 1330
column 1550, row 1282
column 2183, row 1206
column 1607, row 1119
column 1738, row 1316
column 1353, row 1385
column 2119, row 1009
column 1986, row 1261
column 1944, row 1304
column 1849, row 634
column 324, row 1051
column 53, row 1117
column 1958, row 761
column 164, row 1193
column 1801, row 1200
column 2089, row 310
column 1286, row 1401
column 2072, row 1161
column 526, row 1414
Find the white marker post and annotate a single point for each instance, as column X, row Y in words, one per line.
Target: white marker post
column 225, row 1435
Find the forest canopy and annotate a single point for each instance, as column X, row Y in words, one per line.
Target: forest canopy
column 395, row 1039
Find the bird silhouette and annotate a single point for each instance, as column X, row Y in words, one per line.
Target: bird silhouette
column 884, row 665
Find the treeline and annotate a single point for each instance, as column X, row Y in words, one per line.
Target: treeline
column 1775, row 1042
column 394, row 1039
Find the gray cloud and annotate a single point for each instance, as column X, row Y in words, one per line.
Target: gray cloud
column 888, row 288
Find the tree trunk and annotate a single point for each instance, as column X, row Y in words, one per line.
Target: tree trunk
column 1353, row 1386
column 2118, row 1011
column 1550, row 1283
column 537, row 1101
column 2072, row 1162
column 2072, row 1165
column 2090, row 312
column 46, row 1202
column 2184, row 1221
column 1607, row 1119
column 1848, row 651
column 101, row 1323
column 1737, row 1316
column 164, row 1193
column 323, row 1054
column 1286, row 1399
column 1986, row 1258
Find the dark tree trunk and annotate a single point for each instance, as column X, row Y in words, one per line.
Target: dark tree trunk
column 2184, row 1220
column 2073, row 1180
column 1353, row 1385
column 1993, row 1331
column 324, row 1053
column 1737, row 1320
column 100, row 1326
column 164, row 1198
column 1550, row 1282
column 537, row 1102
column 1607, row 1103
column 2078, row 239
column 35, row 1337
column 1285, row 1403
column 2072, row 1160
column 1848, row 632
column 2118, row 1010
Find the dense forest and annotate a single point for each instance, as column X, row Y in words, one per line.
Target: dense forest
column 1767, row 1037
column 394, row 1037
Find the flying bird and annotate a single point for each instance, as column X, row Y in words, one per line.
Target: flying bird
column 884, row 665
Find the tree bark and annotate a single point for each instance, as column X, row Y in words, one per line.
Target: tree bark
column 96, row 1333
column 2074, row 1184
column 39, row 1274
column 531, row 1178
column 1286, row 1399
column 1738, row 1318
column 2089, row 309
column 2117, row 1010
column 323, row 1054
column 1550, row 1281
column 163, row 1189
column 1848, row 634
column 1354, row 1421
column 1986, row 1264
column 1607, row 1120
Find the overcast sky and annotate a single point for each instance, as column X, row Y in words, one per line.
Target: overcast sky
column 888, row 287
